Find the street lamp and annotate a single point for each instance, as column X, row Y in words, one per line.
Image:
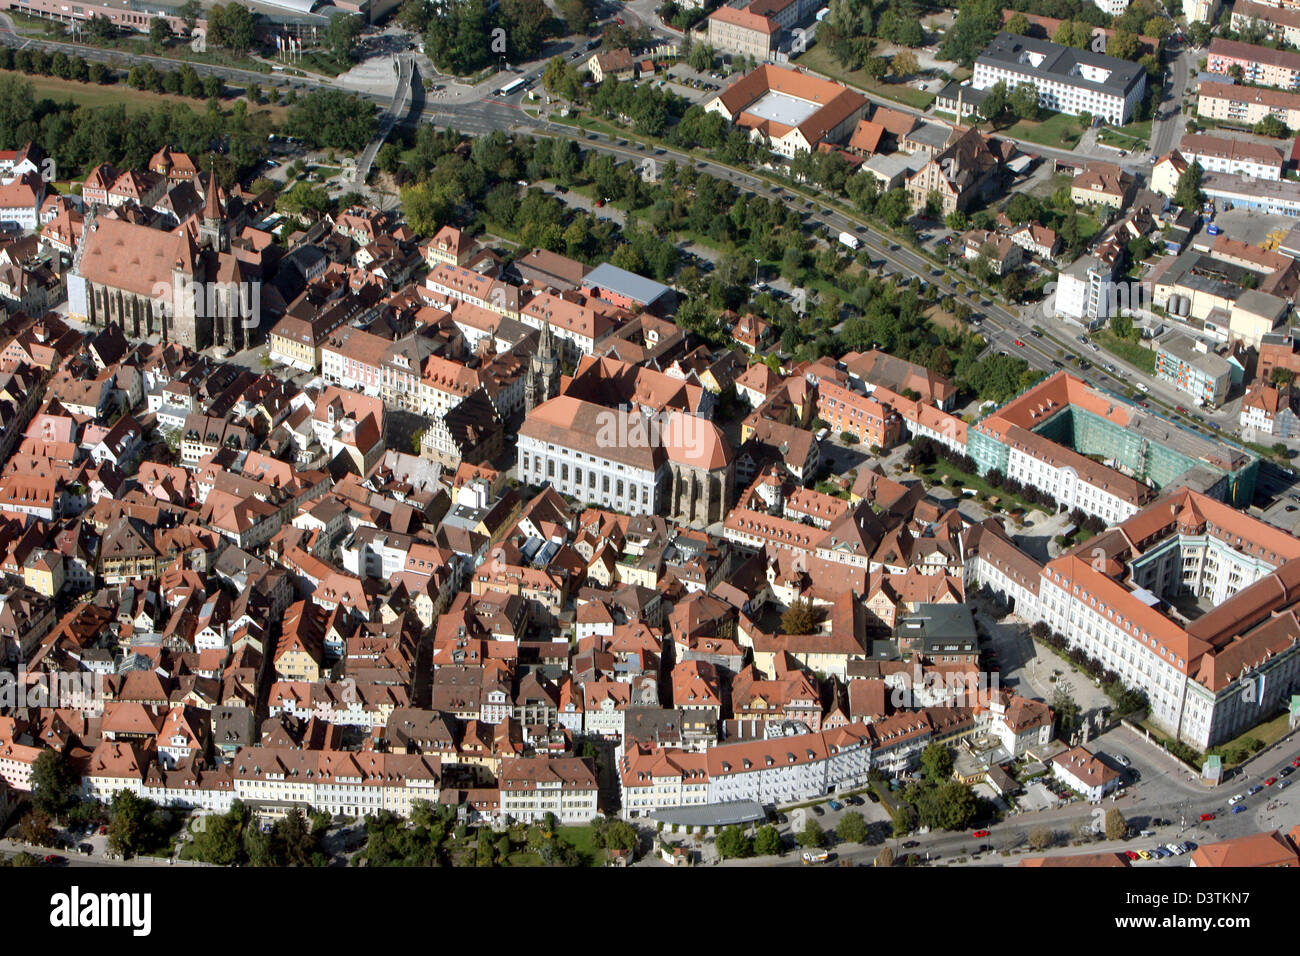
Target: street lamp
column 756, row 263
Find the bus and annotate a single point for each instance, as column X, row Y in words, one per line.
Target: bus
column 513, row 86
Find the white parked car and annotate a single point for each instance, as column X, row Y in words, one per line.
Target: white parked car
column 1236, row 800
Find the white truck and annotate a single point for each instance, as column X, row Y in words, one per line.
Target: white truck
column 850, row 240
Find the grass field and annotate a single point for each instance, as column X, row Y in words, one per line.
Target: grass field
column 1266, row 733
column 88, row 94
column 819, row 59
column 1058, row 130
column 583, row 840
column 1131, row 352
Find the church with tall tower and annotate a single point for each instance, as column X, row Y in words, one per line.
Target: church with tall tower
column 543, row 379
column 183, row 284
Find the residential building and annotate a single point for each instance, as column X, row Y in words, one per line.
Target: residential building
column 1191, row 366
column 1068, row 80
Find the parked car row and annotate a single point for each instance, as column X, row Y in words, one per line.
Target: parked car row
column 1161, row 852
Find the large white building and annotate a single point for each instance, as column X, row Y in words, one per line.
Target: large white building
column 1068, row 80
column 672, row 463
column 1221, row 154
column 532, row 787
column 777, row 771
column 1190, row 601
column 1085, row 291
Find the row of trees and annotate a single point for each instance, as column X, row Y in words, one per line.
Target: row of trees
column 1128, row 701
column 184, row 80
column 58, row 65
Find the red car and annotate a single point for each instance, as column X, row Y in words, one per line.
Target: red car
column 980, row 833
column 1131, row 855
column 619, row 21
column 1270, row 781
column 1206, row 816
column 1020, row 343
column 53, row 858
column 1296, row 762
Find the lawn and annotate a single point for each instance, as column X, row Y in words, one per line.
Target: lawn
column 583, row 839
column 1133, row 137
column 944, row 469
column 1267, row 733
column 1088, row 226
column 819, row 59
column 1059, row 129
column 1131, row 352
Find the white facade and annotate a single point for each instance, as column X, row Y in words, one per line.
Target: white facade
column 1256, row 418
column 589, row 478
column 1237, row 165
column 1202, row 11
column 1084, row 292
column 1068, row 487
column 1062, row 97
column 571, row 806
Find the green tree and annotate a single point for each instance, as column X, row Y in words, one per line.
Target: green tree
column 415, row 15
column 904, row 820
column 1123, row 45
column 231, row 26
column 875, row 67
column 812, row 835
column 1281, row 376
column 1024, row 101
column 949, row 806
column 54, row 784
column 294, row 838
column 852, row 828
column 341, row 36
column 734, row 844
column 1188, row 192
column 527, row 24
column 189, row 12
column 936, row 763
column 331, row 118
column 702, row 57
column 1271, row 126
column 128, row 829
column 767, row 841
column 1068, row 713
column 995, row 101
column 219, row 841
column 620, row 835
column 160, row 31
